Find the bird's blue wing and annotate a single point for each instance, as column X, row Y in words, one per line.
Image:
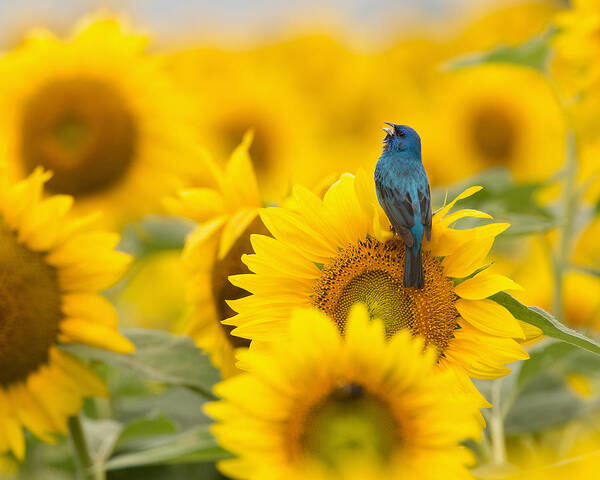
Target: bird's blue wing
column 398, row 206
column 425, row 206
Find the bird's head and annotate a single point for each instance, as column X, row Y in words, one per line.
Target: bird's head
column 401, row 138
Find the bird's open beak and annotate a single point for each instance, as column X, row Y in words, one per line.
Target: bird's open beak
column 389, row 131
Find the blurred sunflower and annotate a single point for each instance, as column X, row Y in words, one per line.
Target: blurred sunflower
column 52, row 271
column 334, row 252
column 499, row 115
column 233, row 92
column 99, row 113
column 581, row 291
column 324, row 406
column 577, row 43
column 227, row 216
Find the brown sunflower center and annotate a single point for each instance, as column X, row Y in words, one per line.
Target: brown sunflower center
column 494, row 135
column 82, row 130
column 370, row 272
column 231, row 264
column 30, row 308
column 349, row 424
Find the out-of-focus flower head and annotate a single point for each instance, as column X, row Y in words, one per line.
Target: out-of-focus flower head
column 227, row 215
column 53, row 270
column 99, row 111
column 497, row 116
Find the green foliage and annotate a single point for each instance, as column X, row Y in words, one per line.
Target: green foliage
column 161, row 357
column 547, row 323
column 154, row 233
column 534, row 53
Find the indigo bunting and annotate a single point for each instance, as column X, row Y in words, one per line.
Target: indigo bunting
column 403, row 192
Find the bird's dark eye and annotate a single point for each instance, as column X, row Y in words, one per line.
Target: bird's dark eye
column 401, row 133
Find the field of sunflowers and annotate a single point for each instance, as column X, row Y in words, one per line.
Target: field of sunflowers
column 202, row 276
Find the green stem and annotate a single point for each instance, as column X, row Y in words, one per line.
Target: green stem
column 85, row 465
column 496, row 425
column 569, row 210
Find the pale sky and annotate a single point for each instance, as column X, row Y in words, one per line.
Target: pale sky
column 176, row 22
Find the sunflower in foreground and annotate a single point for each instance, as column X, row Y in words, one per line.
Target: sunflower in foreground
column 338, row 251
column 324, row 406
column 52, row 271
column 99, row 112
column 227, row 215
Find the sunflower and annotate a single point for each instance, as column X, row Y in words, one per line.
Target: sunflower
column 334, row 252
column 232, row 92
column 52, row 271
column 98, row 112
column 227, row 216
column 324, row 406
column 499, row 115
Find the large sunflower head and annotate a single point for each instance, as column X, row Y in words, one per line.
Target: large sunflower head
column 338, row 251
column 98, row 112
column 500, row 115
column 226, row 217
column 325, row 406
column 53, row 269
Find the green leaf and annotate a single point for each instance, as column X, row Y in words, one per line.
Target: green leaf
column 543, row 359
column 142, row 428
column 549, row 325
column 545, row 401
column 534, row 53
column 162, row 357
column 101, row 437
column 194, row 445
column 179, row 404
column 155, row 233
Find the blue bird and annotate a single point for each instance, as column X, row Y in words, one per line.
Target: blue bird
column 403, row 192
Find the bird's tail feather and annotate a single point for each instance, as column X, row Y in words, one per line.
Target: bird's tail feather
column 413, row 268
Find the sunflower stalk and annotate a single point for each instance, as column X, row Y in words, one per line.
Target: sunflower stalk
column 569, row 210
column 86, row 468
column 496, row 426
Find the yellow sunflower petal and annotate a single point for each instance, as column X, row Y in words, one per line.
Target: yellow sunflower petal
column 90, row 306
column 10, row 428
column 490, row 317
column 234, row 228
column 472, row 256
column 75, row 330
column 484, row 285
column 467, row 193
column 78, row 374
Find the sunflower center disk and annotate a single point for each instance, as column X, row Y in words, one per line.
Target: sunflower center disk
column 350, row 425
column 82, row 130
column 231, row 264
column 30, row 308
column 494, row 135
column 370, row 272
